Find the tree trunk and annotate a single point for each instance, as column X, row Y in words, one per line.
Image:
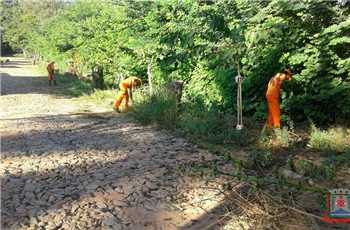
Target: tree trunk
column 149, row 75
column 24, row 53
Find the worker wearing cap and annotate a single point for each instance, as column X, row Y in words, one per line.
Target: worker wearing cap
column 273, row 97
column 126, row 88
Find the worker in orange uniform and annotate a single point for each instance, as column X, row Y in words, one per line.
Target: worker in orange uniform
column 126, row 88
column 51, row 69
column 273, row 96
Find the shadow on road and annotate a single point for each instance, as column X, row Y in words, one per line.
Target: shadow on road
column 9, row 66
column 16, row 79
column 17, row 63
column 78, row 157
column 24, row 85
column 69, row 132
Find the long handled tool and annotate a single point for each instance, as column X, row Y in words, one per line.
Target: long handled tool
column 239, row 80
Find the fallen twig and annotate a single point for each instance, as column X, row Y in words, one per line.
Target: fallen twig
column 302, row 212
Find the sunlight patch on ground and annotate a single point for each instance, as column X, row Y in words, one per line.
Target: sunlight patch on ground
column 238, row 223
column 202, row 200
column 39, row 104
column 199, row 201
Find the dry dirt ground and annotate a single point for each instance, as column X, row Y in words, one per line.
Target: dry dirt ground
column 71, row 166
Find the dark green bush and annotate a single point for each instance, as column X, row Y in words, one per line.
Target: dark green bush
column 262, row 158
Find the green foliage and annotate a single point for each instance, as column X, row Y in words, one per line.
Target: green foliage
column 100, row 97
column 201, row 87
column 213, row 87
column 283, row 138
column 324, row 82
column 74, row 86
column 310, row 169
column 192, row 118
column 301, row 35
column 211, row 126
column 261, row 158
column 339, row 160
column 276, row 138
column 160, row 108
column 333, row 139
column 202, row 43
column 21, row 20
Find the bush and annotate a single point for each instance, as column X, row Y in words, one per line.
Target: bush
column 261, row 158
column 278, row 138
column 333, row 139
column 313, row 166
column 73, row 85
column 212, row 126
column 192, row 118
column 339, row 160
column 283, row 138
column 160, row 107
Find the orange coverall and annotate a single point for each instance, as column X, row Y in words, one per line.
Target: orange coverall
column 272, row 96
column 50, row 69
column 124, row 86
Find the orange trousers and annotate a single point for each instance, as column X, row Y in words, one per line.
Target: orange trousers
column 122, row 94
column 50, row 77
column 273, row 119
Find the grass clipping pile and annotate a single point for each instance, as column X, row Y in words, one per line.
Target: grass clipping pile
column 239, row 205
column 262, row 211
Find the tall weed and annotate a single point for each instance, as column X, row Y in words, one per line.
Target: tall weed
column 333, row 139
column 158, row 107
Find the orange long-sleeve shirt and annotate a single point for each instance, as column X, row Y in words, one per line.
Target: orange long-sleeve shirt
column 127, row 83
column 274, row 86
column 50, row 68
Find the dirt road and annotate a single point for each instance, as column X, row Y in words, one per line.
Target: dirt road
column 62, row 168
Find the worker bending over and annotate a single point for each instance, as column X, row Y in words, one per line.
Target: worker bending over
column 273, row 96
column 126, row 88
column 51, row 69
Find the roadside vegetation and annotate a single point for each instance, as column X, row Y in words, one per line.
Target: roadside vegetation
column 205, row 44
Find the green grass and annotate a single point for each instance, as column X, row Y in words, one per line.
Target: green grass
column 100, row 97
column 83, row 91
column 261, row 158
column 330, row 140
column 306, row 167
column 159, row 107
column 280, row 138
column 283, row 137
column 71, row 85
column 74, row 86
column 190, row 119
column 339, row 160
column 211, row 126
